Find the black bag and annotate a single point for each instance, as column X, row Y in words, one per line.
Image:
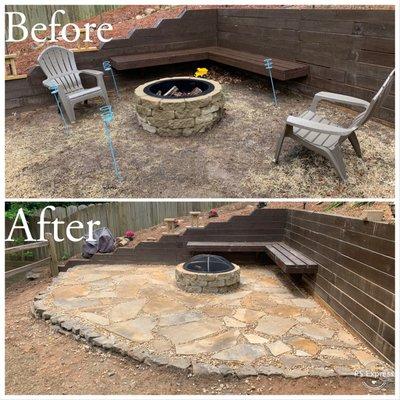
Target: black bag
column 104, row 242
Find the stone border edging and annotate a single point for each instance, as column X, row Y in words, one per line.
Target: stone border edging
column 86, row 334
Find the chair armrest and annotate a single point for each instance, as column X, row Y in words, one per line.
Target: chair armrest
column 97, row 74
column 338, row 98
column 317, row 126
column 91, row 72
column 51, row 82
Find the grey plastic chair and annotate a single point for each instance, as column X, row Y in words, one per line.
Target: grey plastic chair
column 60, row 68
column 322, row 136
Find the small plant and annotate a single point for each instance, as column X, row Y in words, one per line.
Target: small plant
column 363, row 203
column 28, row 255
column 333, row 205
column 213, row 213
column 201, row 72
column 19, row 240
column 129, row 234
column 65, row 256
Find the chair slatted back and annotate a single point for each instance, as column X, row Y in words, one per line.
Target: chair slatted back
column 59, row 64
column 375, row 103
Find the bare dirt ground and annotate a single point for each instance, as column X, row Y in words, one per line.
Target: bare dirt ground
column 40, row 361
column 233, row 159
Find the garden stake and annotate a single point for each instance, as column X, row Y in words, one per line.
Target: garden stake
column 108, row 68
column 54, row 91
column 107, row 116
column 268, row 67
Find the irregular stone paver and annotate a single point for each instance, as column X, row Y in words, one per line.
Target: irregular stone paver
column 125, row 311
column 276, row 326
column 137, row 330
column 233, row 323
column 264, row 327
column 248, row 316
column 364, row 357
column 191, row 331
column 304, row 303
column 159, row 305
column 179, row 318
column 257, row 301
column 277, row 348
column 304, row 345
column 95, row 318
column 284, row 310
column 209, row 345
column 74, row 304
column 242, row 353
column 347, row 338
column 69, row 292
column 128, row 290
column 313, row 331
column 255, row 339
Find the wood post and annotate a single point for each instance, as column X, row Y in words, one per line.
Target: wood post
column 170, row 223
column 195, row 218
column 53, row 254
column 11, row 68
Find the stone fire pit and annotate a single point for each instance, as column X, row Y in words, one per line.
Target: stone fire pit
column 179, row 106
column 207, row 274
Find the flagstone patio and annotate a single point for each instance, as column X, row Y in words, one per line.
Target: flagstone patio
column 268, row 326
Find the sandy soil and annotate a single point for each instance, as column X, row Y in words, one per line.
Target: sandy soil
column 233, row 159
column 39, row 361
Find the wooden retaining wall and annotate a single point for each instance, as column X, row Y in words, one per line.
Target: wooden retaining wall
column 349, row 51
column 260, row 226
column 356, row 271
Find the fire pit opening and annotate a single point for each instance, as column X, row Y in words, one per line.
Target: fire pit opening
column 178, row 88
column 209, row 264
column 207, row 273
column 179, row 106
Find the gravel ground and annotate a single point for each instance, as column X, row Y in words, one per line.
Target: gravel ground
column 39, row 361
column 234, row 159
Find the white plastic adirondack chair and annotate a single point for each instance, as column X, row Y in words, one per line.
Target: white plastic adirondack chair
column 322, row 136
column 59, row 66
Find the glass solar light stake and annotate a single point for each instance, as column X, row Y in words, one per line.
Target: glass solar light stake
column 108, row 68
column 107, row 116
column 268, row 67
column 54, row 91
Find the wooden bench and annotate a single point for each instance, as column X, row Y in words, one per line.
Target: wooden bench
column 282, row 69
column 227, row 246
column 289, row 260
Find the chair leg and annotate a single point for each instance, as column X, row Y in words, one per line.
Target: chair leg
column 69, row 110
column 336, row 158
column 279, row 145
column 105, row 97
column 356, row 145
